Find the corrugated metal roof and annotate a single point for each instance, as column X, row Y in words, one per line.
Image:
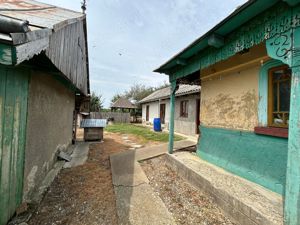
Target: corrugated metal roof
column 165, row 92
column 88, row 123
column 123, row 103
column 37, row 13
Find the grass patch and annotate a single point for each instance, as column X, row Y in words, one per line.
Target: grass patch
column 143, row 132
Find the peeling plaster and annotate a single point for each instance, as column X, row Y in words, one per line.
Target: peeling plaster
column 231, row 102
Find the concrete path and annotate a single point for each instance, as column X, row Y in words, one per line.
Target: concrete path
column 137, row 204
column 79, row 155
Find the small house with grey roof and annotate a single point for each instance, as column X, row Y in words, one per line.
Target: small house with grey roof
column 187, row 108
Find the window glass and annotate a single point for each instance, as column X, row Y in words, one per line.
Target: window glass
column 279, row 101
column 184, row 108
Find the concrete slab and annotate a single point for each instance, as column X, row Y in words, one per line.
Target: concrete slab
column 79, row 155
column 140, row 205
column 137, row 204
column 126, row 171
column 245, row 202
column 157, row 150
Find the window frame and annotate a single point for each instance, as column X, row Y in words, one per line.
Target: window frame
column 271, row 97
column 147, row 113
column 184, row 108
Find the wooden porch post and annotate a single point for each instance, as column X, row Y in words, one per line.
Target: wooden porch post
column 172, row 112
column 292, row 191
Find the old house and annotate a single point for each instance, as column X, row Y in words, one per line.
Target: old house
column 248, row 68
column 123, row 105
column 43, row 67
column 187, row 106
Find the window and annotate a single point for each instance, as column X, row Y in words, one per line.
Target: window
column 147, row 112
column 184, row 105
column 279, row 96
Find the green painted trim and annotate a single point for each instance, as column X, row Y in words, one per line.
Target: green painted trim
column 14, row 82
column 292, row 194
column 263, row 91
column 6, row 54
column 271, row 25
column 172, row 112
column 258, row 158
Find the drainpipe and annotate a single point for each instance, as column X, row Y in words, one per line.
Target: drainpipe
column 172, row 112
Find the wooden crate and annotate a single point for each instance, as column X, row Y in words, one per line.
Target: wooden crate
column 93, row 133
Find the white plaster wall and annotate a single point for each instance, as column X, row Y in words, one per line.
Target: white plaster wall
column 153, row 111
column 182, row 125
column 186, row 125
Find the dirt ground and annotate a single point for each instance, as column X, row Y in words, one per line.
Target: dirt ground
column 84, row 195
column 187, row 204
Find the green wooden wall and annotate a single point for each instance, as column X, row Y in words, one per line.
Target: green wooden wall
column 13, row 116
column 258, row 158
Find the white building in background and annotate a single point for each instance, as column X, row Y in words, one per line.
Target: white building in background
column 187, row 108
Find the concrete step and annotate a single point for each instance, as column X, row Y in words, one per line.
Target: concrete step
column 244, row 202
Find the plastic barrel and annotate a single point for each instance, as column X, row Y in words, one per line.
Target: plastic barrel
column 156, row 124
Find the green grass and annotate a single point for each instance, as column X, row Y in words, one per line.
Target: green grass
column 144, row 132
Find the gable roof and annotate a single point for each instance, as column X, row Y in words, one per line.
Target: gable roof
column 123, row 103
column 165, row 92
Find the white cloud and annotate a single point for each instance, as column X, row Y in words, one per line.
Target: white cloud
column 129, row 39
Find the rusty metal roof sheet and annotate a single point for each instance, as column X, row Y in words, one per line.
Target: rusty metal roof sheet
column 38, row 14
column 90, row 123
column 165, row 92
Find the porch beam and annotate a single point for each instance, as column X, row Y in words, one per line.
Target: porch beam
column 172, row 112
column 292, row 192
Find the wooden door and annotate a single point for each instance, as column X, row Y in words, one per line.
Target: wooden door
column 197, row 122
column 147, row 113
column 162, row 113
column 13, row 117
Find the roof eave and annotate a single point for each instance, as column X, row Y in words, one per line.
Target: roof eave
column 171, row 63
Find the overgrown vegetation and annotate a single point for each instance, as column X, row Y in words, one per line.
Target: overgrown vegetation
column 96, row 102
column 143, row 132
column 137, row 92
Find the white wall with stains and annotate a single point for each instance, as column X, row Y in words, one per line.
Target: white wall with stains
column 184, row 125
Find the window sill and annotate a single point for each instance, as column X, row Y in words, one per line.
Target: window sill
column 272, row 131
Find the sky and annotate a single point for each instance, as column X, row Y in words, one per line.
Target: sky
column 128, row 39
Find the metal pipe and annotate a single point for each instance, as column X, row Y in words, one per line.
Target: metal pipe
column 9, row 25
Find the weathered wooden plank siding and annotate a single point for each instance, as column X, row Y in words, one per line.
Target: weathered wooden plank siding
column 119, row 117
column 13, row 114
column 67, row 52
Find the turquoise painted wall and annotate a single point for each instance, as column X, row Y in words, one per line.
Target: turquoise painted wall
column 263, row 90
column 13, row 121
column 258, row 158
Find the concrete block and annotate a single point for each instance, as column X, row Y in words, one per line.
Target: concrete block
column 244, row 202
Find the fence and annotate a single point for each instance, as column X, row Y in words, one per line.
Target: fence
column 119, row 117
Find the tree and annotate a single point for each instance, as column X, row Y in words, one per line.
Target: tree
column 115, row 98
column 96, row 102
column 138, row 91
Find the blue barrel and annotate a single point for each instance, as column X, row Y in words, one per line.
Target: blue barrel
column 156, row 124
